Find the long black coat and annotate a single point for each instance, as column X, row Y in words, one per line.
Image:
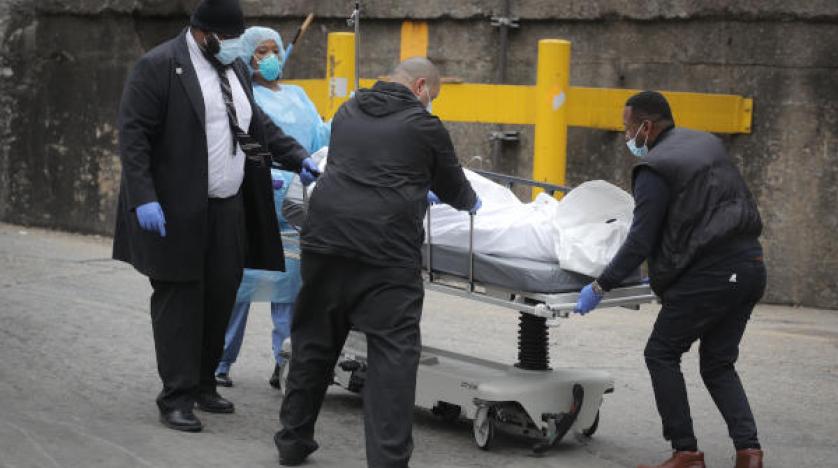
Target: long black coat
column 163, row 149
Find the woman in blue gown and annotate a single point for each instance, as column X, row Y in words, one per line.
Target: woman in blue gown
column 291, row 110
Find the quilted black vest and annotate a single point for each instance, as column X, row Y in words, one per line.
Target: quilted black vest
column 710, row 206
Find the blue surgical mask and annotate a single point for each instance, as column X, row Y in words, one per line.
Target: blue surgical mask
column 270, row 68
column 639, row 151
column 229, row 50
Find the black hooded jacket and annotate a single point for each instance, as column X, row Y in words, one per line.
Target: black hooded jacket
column 385, row 153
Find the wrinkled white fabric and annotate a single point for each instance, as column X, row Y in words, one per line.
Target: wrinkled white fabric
column 591, row 223
column 582, row 232
column 504, row 226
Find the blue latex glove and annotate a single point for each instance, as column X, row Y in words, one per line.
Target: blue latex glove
column 150, row 217
column 309, row 172
column 588, row 300
column 432, row 198
column 278, row 183
column 477, row 205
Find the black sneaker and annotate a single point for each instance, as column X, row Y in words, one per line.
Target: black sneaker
column 223, row 380
column 274, row 380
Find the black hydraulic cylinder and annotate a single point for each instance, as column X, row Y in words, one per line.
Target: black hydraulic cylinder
column 533, row 343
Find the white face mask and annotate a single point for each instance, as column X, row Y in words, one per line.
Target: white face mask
column 429, row 107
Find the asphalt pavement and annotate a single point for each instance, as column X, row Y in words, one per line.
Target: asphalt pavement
column 78, row 379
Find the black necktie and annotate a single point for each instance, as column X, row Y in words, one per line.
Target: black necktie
column 251, row 147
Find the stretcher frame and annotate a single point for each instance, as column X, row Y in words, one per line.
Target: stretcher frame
column 529, row 398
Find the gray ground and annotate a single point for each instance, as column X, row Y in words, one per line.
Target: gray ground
column 78, row 378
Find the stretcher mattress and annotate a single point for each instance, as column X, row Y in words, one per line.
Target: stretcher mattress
column 517, row 274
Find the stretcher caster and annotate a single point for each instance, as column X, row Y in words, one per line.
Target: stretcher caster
column 484, row 428
column 560, row 423
column 589, row 432
column 446, row 411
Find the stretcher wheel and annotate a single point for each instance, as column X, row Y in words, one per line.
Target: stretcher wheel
column 484, row 428
column 589, row 432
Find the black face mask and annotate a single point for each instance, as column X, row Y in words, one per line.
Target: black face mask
column 211, row 44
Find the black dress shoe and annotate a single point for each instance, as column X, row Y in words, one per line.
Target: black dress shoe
column 214, row 403
column 295, row 453
column 274, row 380
column 181, row 420
column 223, row 380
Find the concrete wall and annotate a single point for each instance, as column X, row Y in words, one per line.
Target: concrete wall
column 62, row 64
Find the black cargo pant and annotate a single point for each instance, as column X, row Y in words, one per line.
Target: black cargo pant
column 189, row 319
column 712, row 305
column 385, row 303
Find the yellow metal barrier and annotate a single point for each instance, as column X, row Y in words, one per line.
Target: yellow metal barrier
column 414, row 39
column 551, row 105
column 719, row 113
column 340, row 68
column 485, row 103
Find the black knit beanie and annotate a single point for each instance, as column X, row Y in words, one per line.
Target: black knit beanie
column 219, row 16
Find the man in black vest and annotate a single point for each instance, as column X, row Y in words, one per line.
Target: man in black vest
column 196, row 198
column 697, row 224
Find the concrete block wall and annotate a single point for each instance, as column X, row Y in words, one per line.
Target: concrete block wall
column 63, row 62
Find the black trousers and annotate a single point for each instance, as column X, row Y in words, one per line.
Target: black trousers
column 712, row 305
column 189, row 318
column 385, row 303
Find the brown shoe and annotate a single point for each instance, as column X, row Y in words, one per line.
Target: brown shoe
column 681, row 460
column 749, row 458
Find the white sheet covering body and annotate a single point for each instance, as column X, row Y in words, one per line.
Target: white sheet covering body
column 591, row 223
column 581, row 233
column 504, row 226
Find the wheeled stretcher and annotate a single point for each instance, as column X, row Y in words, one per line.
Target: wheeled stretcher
column 529, row 397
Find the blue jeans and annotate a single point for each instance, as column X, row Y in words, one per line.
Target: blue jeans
column 281, row 316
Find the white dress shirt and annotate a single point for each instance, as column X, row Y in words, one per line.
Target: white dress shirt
column 226, row 171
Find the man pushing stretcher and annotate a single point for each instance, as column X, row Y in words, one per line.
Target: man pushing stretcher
column 697, row 224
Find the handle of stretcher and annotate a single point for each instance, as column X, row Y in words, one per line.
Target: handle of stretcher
column 430, row 249
column 470, row 250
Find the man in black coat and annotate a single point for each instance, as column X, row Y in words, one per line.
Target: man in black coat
column 361, row 260
column 698, row 225
column 196, row 202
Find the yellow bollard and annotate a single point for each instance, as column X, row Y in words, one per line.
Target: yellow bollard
column 340, row 69
column 552, row 89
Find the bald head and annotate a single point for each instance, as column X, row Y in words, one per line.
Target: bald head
column 420, row 75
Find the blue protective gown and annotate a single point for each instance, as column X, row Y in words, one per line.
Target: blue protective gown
column 292, row 111
column 276, row 286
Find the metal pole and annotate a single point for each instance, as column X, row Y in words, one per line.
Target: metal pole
column 357, row 15
column 471, row 252
column 430, row 249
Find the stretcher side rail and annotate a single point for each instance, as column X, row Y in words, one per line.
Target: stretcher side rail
column 509, row 181
column 549, row 306
column 546, row 305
